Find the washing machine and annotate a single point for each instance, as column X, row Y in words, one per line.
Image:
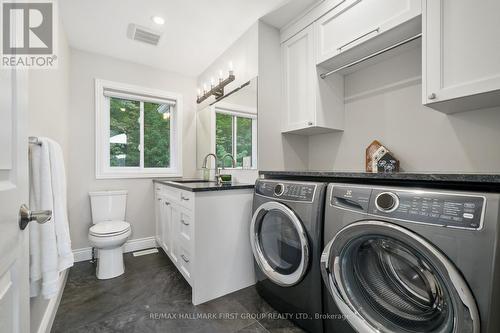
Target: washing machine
column 412, row 260
column 286, row 237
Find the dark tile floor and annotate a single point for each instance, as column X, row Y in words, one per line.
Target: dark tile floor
column 152, row 296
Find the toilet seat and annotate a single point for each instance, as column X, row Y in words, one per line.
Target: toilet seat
column 109, row 228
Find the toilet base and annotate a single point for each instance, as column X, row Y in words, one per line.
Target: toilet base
column 110, row 263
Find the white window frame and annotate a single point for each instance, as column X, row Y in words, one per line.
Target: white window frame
column 238, row 111
column 102, row 131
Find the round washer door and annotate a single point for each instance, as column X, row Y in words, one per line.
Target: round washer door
column 279, row 243
column 387, row 279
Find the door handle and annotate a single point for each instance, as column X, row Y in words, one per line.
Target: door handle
column 26, row 216
column 358, row 38
column 184, row 258
column 184, row 222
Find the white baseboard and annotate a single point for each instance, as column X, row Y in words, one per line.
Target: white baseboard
column 130, row 246
column 50, row 312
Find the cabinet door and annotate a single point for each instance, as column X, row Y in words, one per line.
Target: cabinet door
column 461, row 51
column 175, row 218
column 166, row 225
column 353, row 22
column 158, row 219
column 298, row 81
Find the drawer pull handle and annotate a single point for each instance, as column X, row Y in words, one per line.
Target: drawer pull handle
column 184, row 198
column 159, row 199
column 184, row 258
column 158, row 188
column 167, row 203
column 358, row 38
column 184, row 222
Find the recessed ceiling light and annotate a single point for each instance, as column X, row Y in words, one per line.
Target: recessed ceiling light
column 158, row 20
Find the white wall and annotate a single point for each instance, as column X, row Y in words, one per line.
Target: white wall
column 85, row 67
column 243, row 54
column 48, row 116
column 383, row 102
column 276, row 151
column 258, row 53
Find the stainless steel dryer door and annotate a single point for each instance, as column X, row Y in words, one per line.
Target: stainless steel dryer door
column 279, row 243
column 387, row 279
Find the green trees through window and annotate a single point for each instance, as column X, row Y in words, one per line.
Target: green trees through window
column 125, row 134
column 233, row 134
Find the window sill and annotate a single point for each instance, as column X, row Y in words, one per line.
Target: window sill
column 133, row 175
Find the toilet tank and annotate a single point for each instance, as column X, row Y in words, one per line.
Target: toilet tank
column 108, row 205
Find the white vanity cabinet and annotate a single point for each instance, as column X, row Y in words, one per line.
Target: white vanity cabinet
column 461, row 54
column 206, row 235
column 353, row 22
column 310, row 105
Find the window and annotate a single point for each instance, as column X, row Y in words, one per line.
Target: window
column 236, row 134
column 137, row 132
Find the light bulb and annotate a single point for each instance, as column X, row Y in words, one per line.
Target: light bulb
column 158, row 20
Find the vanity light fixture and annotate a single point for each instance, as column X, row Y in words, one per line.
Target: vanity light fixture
column 158, row 20
column 216, row 90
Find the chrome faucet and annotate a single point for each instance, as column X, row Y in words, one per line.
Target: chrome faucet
column 205, row 160
column 217, row 169
column 233, row 161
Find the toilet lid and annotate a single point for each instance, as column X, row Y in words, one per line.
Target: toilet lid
column 109, row 227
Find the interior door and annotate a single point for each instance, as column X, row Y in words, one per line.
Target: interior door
column 14, row 261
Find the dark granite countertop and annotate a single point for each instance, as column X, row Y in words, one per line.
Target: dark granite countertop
column 198, row 185
column 462, row 181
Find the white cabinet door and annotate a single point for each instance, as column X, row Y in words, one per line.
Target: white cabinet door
column 166, row 224
column 461, row 54
column 353, row 22
column 298, row 84
column 158, row 222
column 175, row 217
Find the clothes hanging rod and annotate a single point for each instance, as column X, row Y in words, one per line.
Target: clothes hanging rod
column 34, row 140
column 325, row 75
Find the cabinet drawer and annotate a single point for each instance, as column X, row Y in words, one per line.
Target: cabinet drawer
column 353, row 22
column 183, row 198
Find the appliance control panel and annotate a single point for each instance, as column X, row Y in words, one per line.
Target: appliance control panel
column 286, row 191
column 420, row 206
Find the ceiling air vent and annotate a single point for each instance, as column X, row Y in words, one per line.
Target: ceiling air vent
column 143, row 34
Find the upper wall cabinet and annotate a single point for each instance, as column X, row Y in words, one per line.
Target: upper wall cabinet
column 353, row 22
column 309, row 105
column 461, row 54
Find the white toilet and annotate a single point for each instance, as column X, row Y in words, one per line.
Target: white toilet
column 109, row 232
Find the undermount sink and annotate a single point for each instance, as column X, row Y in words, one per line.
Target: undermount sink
column 187, row 181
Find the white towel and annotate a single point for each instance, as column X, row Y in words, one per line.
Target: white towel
column 50, row 244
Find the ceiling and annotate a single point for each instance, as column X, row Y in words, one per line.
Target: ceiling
column 284, row 14
column 195, row 33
